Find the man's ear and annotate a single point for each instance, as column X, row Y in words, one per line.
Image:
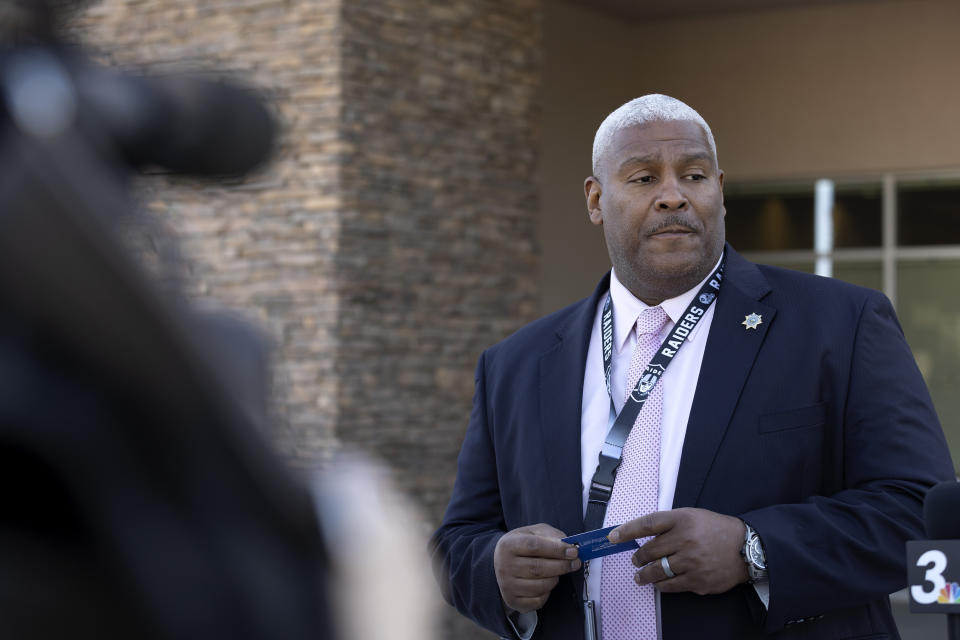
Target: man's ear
column 720, row 180
column 592, row 190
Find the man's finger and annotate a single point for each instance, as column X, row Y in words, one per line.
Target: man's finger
column 527, row 604
column 652, row 524
column 532, row 568
column 670, row 585
column 526, row 588
column 535, row 546
column 545, row 530
column 654, row 549
column 655, row 572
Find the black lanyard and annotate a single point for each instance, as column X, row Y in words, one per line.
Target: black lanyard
column 601, row 487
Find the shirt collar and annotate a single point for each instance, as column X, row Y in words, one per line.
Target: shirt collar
column 627, row 307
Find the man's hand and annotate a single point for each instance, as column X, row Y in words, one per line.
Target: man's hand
column 528, row 562
column 702, row 548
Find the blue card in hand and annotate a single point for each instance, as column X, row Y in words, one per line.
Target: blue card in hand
column 594, row 544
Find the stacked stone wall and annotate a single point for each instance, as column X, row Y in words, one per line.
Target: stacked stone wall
column 437, row 258
column 267, row 244
column 437, row 254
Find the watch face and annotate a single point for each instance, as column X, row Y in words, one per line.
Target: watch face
column 755, row 552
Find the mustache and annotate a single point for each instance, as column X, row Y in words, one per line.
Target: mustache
column 676, row 220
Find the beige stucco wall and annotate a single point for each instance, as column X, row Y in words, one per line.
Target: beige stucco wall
column 819, row 91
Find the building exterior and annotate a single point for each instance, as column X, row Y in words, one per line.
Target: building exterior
column 426, row 198
column 853, row 92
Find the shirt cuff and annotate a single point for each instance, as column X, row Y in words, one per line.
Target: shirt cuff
column 524, row 624
column 763, row 592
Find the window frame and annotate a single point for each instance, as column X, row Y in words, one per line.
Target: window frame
column 889, row 254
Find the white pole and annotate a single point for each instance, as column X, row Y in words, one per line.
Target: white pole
column 823, row 227
column 890, row 238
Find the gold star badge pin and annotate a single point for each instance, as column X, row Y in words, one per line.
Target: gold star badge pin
column 752, row 321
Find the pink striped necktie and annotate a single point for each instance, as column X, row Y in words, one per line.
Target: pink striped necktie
column 628, row 611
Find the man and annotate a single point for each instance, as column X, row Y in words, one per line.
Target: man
column 772, row 474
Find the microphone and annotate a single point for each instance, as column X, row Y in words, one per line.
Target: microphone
column 933, row 565
column 941, row 511
column 181, row 123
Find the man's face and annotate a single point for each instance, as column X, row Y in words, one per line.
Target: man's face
column 661, row 206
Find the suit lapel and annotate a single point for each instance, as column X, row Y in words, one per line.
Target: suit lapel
column 730, row 352
column 561, row 398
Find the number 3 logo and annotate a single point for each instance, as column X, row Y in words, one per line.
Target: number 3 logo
column 934, row 575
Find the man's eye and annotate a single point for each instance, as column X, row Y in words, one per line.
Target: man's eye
column 697, row 176
column 643, row 179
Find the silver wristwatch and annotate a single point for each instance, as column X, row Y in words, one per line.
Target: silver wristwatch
column 753, row 556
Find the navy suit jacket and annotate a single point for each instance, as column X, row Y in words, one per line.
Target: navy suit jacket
column 816, row 428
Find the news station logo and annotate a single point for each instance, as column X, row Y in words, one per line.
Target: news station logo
column 932, row 577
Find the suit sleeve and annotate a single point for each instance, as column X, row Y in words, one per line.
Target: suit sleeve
column 835, row 551
column 462, row 548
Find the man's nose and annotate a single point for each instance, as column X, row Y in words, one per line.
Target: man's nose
column 671, row 196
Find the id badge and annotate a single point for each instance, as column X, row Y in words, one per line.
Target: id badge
column 595, row 544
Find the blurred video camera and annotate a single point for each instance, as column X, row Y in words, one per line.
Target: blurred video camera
column 140, row 499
